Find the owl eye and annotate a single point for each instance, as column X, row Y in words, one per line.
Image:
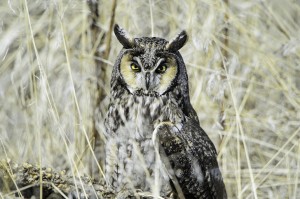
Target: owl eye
column 135, row 68
column 161, row 69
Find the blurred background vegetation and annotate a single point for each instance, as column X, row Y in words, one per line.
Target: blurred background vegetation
column 243, row 60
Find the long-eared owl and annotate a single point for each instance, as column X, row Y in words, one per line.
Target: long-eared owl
column 154, row 143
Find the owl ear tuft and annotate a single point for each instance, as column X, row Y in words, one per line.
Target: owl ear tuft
column 123, row 37
column 178, row 42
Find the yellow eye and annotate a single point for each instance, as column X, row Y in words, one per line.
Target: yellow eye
column 135, row 68
column 161, row 69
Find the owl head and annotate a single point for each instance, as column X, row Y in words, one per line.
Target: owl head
column 149, row 64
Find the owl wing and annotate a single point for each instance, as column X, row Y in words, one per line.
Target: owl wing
column 190, row 159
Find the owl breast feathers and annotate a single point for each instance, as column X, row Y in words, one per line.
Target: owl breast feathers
column 155, row 145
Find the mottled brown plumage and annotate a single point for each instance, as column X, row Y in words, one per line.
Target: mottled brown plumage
column 154, row 141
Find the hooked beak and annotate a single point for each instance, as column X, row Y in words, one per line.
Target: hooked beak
column 147, row 80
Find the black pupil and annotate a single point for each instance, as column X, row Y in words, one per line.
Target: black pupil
column 135, row 67
column 161, row 69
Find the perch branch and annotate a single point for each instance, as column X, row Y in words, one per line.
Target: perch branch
column 24, row 181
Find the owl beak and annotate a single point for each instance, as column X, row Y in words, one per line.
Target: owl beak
column 147, row 80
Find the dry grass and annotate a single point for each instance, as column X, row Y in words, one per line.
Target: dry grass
column 48, row 82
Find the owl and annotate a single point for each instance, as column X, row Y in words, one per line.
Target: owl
column 155, row 146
